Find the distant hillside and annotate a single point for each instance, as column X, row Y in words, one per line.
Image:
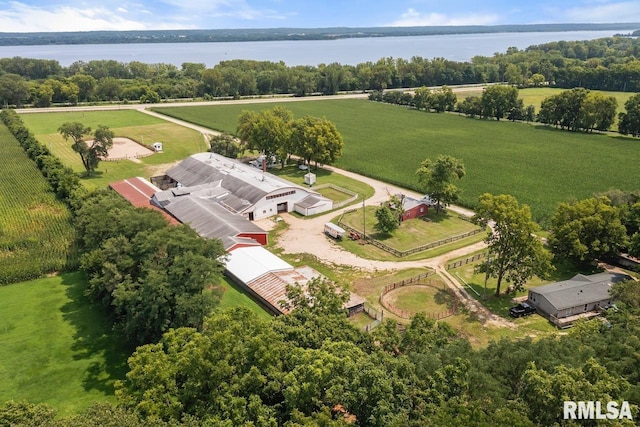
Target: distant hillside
column 235, row 35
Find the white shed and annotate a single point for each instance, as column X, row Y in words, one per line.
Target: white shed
column 157, row 147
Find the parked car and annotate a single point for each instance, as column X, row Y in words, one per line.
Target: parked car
column 522, row 309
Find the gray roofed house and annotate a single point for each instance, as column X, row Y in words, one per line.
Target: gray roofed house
column 576, row 296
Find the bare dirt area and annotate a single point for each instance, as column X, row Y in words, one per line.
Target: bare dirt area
column 125, row 148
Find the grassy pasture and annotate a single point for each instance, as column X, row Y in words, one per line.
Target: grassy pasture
column 412, row 233
column 35, row 230
column 56, row 348
column 178, row 141
column 540, row 166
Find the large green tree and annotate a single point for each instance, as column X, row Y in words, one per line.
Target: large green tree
column 587, row 230
column 267, row 131
column 516, row 253
column 497, row 100
column 316, row 139
column 13, row 89
column 629, row 121
column 225, row 145
column 90, row 151
column 436, row 179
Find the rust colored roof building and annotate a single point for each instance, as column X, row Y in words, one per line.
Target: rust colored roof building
column 138, row 191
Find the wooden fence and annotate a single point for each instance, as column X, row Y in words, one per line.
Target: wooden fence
column 399, row 253
column 378, row 316
column 466, row 261
column 421, row 280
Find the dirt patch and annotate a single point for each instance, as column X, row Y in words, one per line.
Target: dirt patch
column 126, row 149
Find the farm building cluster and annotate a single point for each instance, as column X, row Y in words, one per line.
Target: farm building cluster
column 220, row 198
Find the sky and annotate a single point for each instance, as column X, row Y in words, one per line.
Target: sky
column 90, row 15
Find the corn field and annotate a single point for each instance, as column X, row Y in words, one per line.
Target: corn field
column 36, row 236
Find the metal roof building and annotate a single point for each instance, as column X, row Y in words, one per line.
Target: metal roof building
column 580, row 294
column 266, row 277
column 244, row 189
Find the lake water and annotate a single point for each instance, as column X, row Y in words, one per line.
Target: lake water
column 455, row 47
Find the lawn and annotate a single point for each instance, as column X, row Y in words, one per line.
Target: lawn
column 323, row 176
column 421, row 299
column 36, row 236
column 56, row 348
column 234, row 296
column 539, row 165
column 411, row 234
column 178, row 141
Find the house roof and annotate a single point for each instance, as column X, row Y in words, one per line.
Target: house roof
column 409, row 203
column 211, row 220
column 579, row 290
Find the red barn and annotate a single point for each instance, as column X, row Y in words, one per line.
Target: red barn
column 413, row 208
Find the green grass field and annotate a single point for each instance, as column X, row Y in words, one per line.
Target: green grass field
column 36, row 236
column 56, row 348
column 411, row 233
column 178, row 141
column 540, row 166
column 234, row 296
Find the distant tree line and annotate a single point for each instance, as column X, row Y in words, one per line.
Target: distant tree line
column 573, row 110
column 604, row 64
column 262, row 34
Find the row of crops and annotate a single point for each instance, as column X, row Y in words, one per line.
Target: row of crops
column 36, row 236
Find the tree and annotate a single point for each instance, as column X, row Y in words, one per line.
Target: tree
column 443, row 99
column 629, row 121
column 225, row 145
column 597, row 112
column 316, row 139
column 436, row 178
column 90, row 151
column 13, row 89
column 497, row 100
column 471, row 106
column 268, row 131
column 422, row 98
column 516, row 252
column 587, row 230
column 545, row 391
column 387, row 219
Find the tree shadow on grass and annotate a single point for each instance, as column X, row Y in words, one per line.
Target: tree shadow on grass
column 94, row 339
column 443, row 297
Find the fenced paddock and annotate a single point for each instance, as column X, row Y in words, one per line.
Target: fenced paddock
column 413, row 287
column 127, row 149
column 403, row 253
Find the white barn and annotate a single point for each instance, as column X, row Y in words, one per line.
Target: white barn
column 243, row 189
